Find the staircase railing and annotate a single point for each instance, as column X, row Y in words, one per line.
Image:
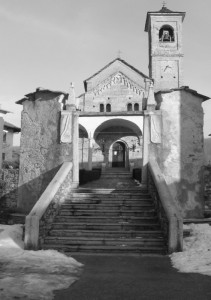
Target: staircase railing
column 39, row 220
column 168, row 212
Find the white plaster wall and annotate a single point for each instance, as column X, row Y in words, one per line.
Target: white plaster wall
column 181, row 153
column 91, row 123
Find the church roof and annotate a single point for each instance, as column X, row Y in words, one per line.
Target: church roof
column 163, row 11
column 30, row 96
column 108, row 65
column 11, row 127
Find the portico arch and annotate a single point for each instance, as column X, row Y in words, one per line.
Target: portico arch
column 121, row 131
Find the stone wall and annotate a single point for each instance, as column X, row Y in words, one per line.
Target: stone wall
column 53, row 209
column 207, row 187
column 8, row 188
column 180, row 154
column 41, row 152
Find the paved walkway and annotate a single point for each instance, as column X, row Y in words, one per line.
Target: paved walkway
column 134, row 278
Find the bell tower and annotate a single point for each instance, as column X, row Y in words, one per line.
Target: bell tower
column 164, row 29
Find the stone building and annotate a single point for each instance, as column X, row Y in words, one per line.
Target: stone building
column 7, row 131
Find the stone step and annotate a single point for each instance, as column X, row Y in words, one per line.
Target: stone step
column 106, row 233
column 111, row 213
column 111, row 206
column 109, row 191
column 127, row 249
column 105, row 226
column 108, row 241
column 117, row 175
column 126, row 196
column 106, row 219
column 108, row 201
column 197, row 221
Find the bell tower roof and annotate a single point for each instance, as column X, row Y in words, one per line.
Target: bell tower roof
column 164, row 11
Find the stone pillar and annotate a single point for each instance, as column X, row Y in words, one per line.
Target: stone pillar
column 41, row 150
column 75, row 159
column 1, row 139
column 180, row 155
column 146, row 136
column 90, row 153
column 151, row 105
column 72, row 128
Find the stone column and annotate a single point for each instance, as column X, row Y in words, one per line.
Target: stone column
column 150, row 109
column 75, row 158
column 73, row 128
column 90, row 153
column 1, row 139
column 145, row 147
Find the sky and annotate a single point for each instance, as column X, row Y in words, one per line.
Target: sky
column 50, row 43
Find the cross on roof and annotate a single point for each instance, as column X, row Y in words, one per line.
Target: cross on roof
column 164, row 3
column 119, row 54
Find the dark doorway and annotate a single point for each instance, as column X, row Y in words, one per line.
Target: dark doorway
column 118, row 155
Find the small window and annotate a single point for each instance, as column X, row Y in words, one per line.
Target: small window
column 129, row 107
column 108, row 108
column 136, row 106
column 101, row 107
column 4, row 137
column 3, row 156
column 166, row 34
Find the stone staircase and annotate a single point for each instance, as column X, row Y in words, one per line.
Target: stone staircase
column 97, row 218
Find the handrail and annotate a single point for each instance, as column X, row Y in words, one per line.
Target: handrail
column 33, row 218
column 174, row 217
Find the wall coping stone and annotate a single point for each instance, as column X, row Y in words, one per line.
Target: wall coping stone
column 33, row 218
column 175, row 235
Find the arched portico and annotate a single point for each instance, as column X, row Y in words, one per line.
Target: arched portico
column 102, row 138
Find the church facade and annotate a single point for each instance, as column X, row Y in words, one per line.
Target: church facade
column 112, row 107
column 111, row 123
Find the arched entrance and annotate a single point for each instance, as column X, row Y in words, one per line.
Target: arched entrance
column 118, row 155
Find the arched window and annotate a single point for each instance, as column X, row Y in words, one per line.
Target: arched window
column 166, row 34
column 108, row 107
column 101, row 107
column 136, row 106
column 129, row 107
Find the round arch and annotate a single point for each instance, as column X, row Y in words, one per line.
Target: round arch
column 125, row 156
column 122, row 126
column 82, row 132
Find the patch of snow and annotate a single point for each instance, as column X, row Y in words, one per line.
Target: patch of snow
column 32, row 274
column 137, row 182
column 196, row 255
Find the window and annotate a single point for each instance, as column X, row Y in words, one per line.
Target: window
column 108, row 108
column 129, row 107
column 101, row 107
column 136, row 106
column 166, row 34
column 4, row 136
column 3, row 156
